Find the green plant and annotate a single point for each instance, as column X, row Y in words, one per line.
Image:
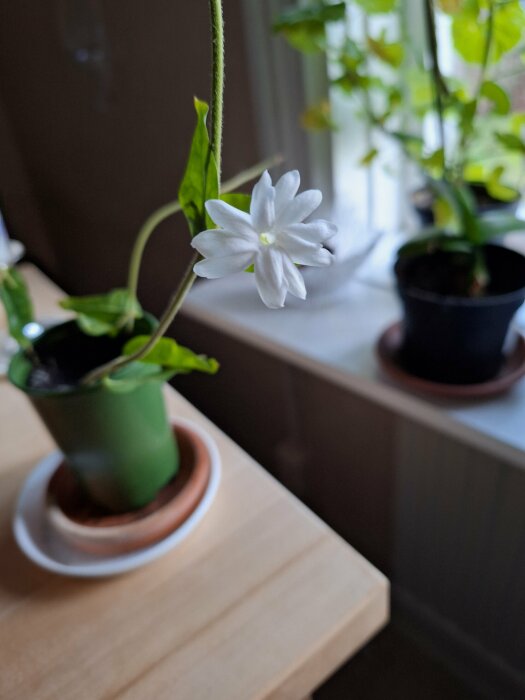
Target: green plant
column 262, row 231
column 398, row 83
column 466, row 234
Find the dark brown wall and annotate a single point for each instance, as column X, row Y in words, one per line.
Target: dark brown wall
column 83, row 162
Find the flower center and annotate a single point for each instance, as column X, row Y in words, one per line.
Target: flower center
column 267, row 238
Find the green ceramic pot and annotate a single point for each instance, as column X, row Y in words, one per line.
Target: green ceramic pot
column 120, row 445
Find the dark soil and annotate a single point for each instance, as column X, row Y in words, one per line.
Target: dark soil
column 65, row 355
column 450, row 274
column 49, row 378
column 441, row 273
column 64, row 362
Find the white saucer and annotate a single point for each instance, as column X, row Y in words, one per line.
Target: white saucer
column 8, row 346
column 16, row 251
column 38, row 542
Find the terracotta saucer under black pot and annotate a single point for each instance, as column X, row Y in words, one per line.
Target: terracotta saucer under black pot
column 388, row 354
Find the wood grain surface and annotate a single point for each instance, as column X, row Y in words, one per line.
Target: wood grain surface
column 262, row 600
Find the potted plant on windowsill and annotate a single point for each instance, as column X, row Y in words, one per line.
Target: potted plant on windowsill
column 459, row 290
column 96, row 380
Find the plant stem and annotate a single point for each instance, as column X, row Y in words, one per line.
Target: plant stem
column 487, row 48
column 171, row 208
column 151, row 223
column 164, row 323
column 369, row 139
column 465, row 136
column 440, row 89
column 145, row 232
column 217, row 32
column 217, row 27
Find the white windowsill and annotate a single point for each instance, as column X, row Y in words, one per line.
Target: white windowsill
column 335, row 338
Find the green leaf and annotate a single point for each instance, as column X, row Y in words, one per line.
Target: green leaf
column 436, row 240
column 319, row 12
column 92, row 326
column 453, row 244
column 462, row 202
column 434, row 162
column 395, row 98
column 104, row 314
column 352, row 80
column 352, row 56
column 421, row 92
column 497, row 95
column 238, row 200
column 15, row 297
column 200, row 181
column 369, row 157
column 304, row 27
column 467, row 112
column 497, row 189
column 475, row 172
column 468, row 38
column 388, row 53
column 500, row 224
column 517, row 122
column 449, row 6
column 470, row 25
column 443, row 213
column 406, row 138
column 318, row 117
column 133, row 375
column 170, row 355
column 509, row 27
column 511, row 141
column 373, row 7
column 308, row 37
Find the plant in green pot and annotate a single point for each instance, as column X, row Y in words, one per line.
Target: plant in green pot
column 97, row 379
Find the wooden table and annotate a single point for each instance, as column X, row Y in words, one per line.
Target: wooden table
column 262, row 600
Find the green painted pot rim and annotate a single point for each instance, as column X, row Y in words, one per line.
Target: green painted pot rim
column 21, row 364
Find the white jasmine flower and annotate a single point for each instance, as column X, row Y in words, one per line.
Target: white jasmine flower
column 272, row 238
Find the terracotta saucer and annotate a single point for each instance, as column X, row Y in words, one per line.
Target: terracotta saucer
column 89, row 528
column 387, row 351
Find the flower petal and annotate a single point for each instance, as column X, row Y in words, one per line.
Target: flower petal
column 285, row 190
column 293, row 278
column 212, row 268
column 315, row 231
column 321, row 258
column 269, row 277
column 230, row 218
column 219, row 243
column 298, row 209
column 262, row 208
column 304, row 252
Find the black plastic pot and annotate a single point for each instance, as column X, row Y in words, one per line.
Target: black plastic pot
column 457, row 339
